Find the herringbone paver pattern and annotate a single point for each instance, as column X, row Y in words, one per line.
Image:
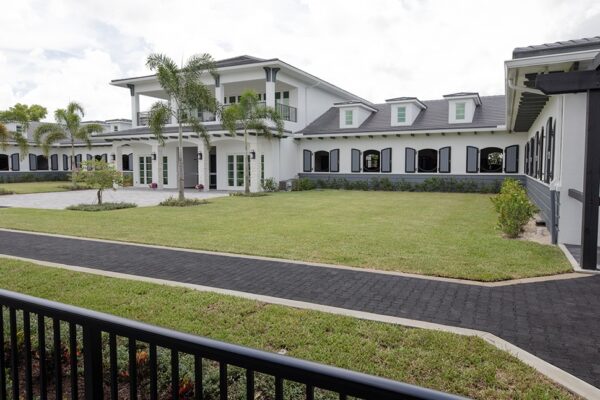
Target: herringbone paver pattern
column 559, row 321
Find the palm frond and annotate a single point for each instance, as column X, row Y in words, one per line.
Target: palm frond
column 166, row 72
column 44, row 130
column 200, row 129
column 51, row 138
column 230, row 117
column 160, row 113
column 197, row 65
column 4, row 136
column 85, row 133
column 22, row 143
column 75, row 108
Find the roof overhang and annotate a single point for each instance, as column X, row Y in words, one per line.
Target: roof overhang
column 346, row 104
column 523, row 102
column 407, row 100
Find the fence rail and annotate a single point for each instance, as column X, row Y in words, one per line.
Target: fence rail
column 91, row 341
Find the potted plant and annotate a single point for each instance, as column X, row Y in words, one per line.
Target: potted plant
column 200, row 187
column 153, row 185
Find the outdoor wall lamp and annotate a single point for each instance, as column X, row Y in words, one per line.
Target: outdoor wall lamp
column 154, row 156
column 253, row 154
column 199, row 155
column 113, row 157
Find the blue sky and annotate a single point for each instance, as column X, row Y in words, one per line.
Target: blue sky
column 55, row 51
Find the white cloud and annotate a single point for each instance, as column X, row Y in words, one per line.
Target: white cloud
column 62, row 50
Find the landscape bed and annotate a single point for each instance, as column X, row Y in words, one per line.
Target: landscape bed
column 442, row 234
column 458, row 364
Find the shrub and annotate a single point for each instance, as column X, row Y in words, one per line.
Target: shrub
column 77, row 186
column 242, row 194
column 513, row 207
column 173, row 202
column 269, row 185
column 101, row 207
column 5, row 191
column 303, row 184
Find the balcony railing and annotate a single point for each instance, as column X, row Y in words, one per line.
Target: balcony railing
column 95, row 341
column 203, row 116
column 288, row 113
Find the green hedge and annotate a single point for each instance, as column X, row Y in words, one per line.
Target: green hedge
column 16, row 177
column 433, row 184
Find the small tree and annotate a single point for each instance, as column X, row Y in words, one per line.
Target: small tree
column 250, row 115
column 99, row 175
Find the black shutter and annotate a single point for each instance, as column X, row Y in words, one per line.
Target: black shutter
column 444, row 160
column 32, row 162
column 54, row 162
column 410, row 156
column 307, row 161
column 130, row 156
column 65, row 162
column 472, row 159
column 541, row 155
column 526, row 158
column 355, row 160
column 15, row 162
column 88, row 157
column 78, row 161
column 549, row 151
column 334, row 160
column 386, row 160
column 511, row 159
column 552, row 154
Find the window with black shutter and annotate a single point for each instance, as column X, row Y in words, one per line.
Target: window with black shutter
column 321, row 161
column 428, row 160
column 491, row 160
column 371, row 161
column 4, row 162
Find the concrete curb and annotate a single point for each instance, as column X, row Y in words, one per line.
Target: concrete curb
column 568, row 275
column 563, row 378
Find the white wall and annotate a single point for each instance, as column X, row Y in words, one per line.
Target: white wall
column 458, row 144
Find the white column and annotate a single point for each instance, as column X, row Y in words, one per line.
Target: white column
column 135, row 109
column 270, row 94
column 118, row 152
column 157, row 167
column 219, row 92
column 203, row 164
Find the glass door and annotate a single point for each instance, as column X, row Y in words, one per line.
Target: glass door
column 145, row 163
column 235, row 170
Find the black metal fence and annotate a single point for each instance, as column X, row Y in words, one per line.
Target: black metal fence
column 53, row 350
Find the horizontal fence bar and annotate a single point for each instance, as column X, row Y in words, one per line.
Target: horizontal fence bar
column 313, row 375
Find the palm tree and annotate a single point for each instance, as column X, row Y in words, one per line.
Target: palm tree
column 67, row 127
column 251, row 115
column 188, row 96
column 23, row 115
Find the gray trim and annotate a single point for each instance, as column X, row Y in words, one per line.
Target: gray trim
column 567, row 46
column 274, row 72
column 131, row 89
column 267, row 73
column 539, row 193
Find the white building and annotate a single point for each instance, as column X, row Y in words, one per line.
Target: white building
column 331, row 133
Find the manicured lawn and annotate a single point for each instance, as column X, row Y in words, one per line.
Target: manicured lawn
column 34, row 187
column 458, row 364
column 443, row 234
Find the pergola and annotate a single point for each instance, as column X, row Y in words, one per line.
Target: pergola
column 585, row 81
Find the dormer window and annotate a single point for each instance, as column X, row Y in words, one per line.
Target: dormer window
column 401, row 115
column 349, row 117
column 115, row 128
column 460, row 111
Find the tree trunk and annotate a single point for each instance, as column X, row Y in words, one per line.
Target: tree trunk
column 72, row 162
column 99, row 194
column 180, row 162
column 246, row 164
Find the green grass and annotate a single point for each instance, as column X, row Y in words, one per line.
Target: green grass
column 35, row 187
column 443, row 234
column 459, row 364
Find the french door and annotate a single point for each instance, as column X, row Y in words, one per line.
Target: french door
column 235, row 170
column 145, row 163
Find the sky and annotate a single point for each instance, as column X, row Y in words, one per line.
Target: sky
column 56, row 51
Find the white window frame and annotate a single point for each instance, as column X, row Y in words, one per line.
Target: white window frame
column 348, row 113
column 237, row 183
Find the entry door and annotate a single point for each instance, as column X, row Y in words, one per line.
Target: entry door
column 145, row 163
column 235, row 170
column 213, row 170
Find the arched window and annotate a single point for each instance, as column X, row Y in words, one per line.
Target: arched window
column 42, row 163
column 490, row 159
column 371, row 161
column 98, row 157
column 322, row 161
column 3, row 162
column 427, row 160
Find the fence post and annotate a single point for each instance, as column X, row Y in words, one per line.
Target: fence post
column 92, row 361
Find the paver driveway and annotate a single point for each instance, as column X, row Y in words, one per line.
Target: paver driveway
column 61, row 200
column 557, row 320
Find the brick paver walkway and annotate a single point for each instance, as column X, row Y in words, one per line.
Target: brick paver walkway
column 559, row 321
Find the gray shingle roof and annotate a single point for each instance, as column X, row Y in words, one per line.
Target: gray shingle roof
column 145, row 130
column 490, row 114
column 566, row 46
